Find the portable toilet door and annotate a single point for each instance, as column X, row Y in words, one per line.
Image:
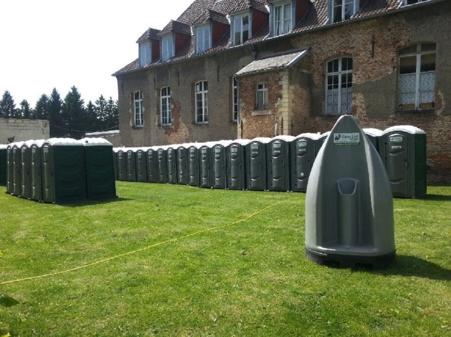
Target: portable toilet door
column 256, row 164
column 182, row 165
column 9, row 169
column 141, row 165
column 36, row 170
column 172, row 165
column 152, row 165
column 236, row 164
column 64, row 170
column 403, row 151
column 121, row 156
column 3, row 164
column 25, row 159
column 219, row 165
column 17, row 169
column 279, row 163
column 303, row 153
column 162, row 166
column 205, row 170
column 131, row 165
column 193, row 166
column 100, row 180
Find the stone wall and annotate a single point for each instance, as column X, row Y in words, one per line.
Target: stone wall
column 15, row 130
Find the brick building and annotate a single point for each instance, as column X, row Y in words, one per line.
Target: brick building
column 229, row 69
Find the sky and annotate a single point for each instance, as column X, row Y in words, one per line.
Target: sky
column 46, row 44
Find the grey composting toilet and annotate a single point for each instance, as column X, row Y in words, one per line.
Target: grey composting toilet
column 349, row 203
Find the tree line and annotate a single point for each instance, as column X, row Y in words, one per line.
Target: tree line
column 69, row 117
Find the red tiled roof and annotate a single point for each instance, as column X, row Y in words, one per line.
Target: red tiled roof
column 150, row 34
column 203, row 10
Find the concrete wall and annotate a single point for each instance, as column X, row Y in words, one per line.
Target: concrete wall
column 14, row 130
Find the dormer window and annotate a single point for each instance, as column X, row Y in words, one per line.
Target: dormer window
column 282, row 18
column 203, row 38
column 343, row 9
column 167, row 47
column 241, row 29
column 145, row 53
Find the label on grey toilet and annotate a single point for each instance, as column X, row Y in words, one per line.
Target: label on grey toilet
column 346, row 138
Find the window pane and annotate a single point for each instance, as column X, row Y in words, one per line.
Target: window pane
column 428, row 47
column 428, row 62
column 408, row 65
column 409, row 50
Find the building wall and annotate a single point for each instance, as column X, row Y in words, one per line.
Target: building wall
column 181, row 77
column 15, row 130
column 374, row 45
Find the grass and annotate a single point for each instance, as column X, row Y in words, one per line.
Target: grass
column 212, row 263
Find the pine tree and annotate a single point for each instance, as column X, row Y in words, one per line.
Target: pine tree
column 74, row 114
column 112, row 113
column 92, row 120
column 57, row 127
column 100, row 105
column 25, row 110
column 7, row 106
column 41, row 110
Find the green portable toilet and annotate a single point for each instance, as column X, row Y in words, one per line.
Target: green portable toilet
column 171, row 156
column 100, row 180
column 131, row 164
column 115, row 162
column 36, row 170
column 193, row 165
column 236, row 164
column 3, row 164
column 9, row 169
column 162, row 165
column 121, row 155
column 348, row 206
column 25, row 161
column 256, row 164
column 141, row 165
column 205, row 169
column 403, row 151
column 152, row 165
column 17, row 169
column 63, row 170
column 219, row 164
column 182, row 164
column 278, row 165
column 303, row 153
column 373, row 136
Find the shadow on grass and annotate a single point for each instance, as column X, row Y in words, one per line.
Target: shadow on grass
column 92, row 202
column 437, row 197
column 413, row 266
column 7, row 301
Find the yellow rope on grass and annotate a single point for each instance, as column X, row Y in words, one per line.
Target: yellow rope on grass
column 141, row 249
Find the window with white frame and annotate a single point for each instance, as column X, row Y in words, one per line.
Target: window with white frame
column 282, row 18
column 262, row 96
column 138, row 108
column 203, row 38
column 417, row 77
column 241, row 29
column 144, row 53
column 165, row 106
column 167, row 47
column 201, row 99
column 339, row 86
column 235, row 100
column 343, row 9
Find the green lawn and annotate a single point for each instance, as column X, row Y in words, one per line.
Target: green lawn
column 170, row 260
